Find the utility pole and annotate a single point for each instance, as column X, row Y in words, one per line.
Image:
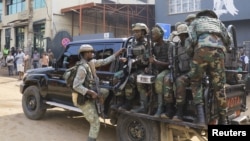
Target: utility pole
column 29, row 45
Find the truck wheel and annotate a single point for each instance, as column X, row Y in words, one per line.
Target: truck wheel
column 32, row 103
column 131, row 128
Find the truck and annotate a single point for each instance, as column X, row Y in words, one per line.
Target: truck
column 45, row 88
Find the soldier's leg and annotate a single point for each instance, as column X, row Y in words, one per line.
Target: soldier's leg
column 168, row 97
column 196, row 75
column 218, row 82
column 159, row 91
column 181, row 84
column 90, row 113
column 143, row 99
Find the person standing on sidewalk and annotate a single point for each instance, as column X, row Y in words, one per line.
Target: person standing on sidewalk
column 10, row 63
column 20, row 63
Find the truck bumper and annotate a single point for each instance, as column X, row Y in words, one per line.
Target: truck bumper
column 241, row 120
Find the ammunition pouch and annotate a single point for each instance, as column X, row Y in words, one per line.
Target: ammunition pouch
column 81, row 99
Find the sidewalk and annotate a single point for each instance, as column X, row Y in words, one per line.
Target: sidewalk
column 4, row 73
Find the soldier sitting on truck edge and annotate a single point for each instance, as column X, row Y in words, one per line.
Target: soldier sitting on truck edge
column 160, row 63
column 140, row 61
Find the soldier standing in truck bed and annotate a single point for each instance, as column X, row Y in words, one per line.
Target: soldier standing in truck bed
column 210, row 40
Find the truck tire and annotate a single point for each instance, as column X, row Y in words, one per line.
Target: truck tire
column 130, row 128
column 32, row 103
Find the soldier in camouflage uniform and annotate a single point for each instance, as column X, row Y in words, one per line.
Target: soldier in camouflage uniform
column 160, row 63
column 210, row 40
column 182, row 67
column 140, row 62
column 190, row 18
column 82, row 85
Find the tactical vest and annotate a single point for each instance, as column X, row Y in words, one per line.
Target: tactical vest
column 183, row 59
column 89, row 80
column 161, row 54
column 141, row 52
column 211, row 25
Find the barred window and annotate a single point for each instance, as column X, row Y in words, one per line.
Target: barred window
column 183, row 6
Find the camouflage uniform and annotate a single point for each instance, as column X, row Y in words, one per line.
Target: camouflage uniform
column 82, row 83
column 209, row 38
column 182, row 68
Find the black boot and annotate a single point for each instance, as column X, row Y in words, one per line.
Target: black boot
column 143, row 105
column 126, row 106
column 179, row 113
column 169, row 111
column 200, row 115
column 91, row 139
column 141, row 109
column 223, row 118
column 159, row 109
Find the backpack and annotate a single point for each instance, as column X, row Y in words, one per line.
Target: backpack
column 69, row 75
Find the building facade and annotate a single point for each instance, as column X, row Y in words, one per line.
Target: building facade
column 235, row 12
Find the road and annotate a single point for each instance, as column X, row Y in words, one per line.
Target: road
column 57, row 124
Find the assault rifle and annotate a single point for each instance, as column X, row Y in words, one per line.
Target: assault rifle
column 172, row 60
column 100, row 101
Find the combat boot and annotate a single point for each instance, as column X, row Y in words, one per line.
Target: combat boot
column 126, row 106
column 223, row 118
column 179, row 113
column 169, row 111
column 159, row 109
column 91, row 139
column 200, row 115
column 143, row 105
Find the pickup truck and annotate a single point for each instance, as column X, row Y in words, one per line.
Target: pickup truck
column 45, row 88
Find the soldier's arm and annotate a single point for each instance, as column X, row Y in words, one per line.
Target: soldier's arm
column 79, row 79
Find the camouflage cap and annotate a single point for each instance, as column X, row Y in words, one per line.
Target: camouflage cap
column 85, row 48
column 190, row 17
column 182, row 28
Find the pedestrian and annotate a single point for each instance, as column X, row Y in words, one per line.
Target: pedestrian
column 160, row 62
column 210, row 41
column 26, row 61
column 244, row 59
column 45, row 60
column 51, row 57
column 35, row 59
column 10, row 64
column 86, row 72
column 20, row 63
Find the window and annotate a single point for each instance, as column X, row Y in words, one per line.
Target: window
column 38, row 4
column 7, row 38
column 15, row 6
column 20, row 37
column 183, row 6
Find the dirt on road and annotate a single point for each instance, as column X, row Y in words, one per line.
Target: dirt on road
column 57, row 124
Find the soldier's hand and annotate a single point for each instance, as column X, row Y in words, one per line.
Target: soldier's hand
column 93, row 94
column 122, row 59
column 151, row 59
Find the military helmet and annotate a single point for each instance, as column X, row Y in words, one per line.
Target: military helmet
column 182, row 28
column 190, row 17
column 140, row 26
column 209, row 13
column 85, row 48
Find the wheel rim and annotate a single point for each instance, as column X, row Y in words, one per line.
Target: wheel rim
column 136, row 131
column 31, row 103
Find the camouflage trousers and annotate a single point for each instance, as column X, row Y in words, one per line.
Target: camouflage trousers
column 181, row 84
column 168, row 89
column 90, row 113
column 210, row 61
